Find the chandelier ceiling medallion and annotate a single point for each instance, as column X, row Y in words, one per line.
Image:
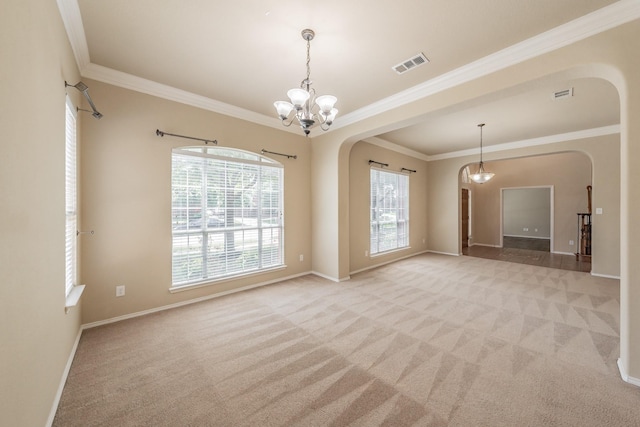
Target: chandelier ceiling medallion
column 481, row 176
column 309, row 110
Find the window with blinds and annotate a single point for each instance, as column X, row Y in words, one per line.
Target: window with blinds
column 71, row 198
column 389, row 214
column 226, row 211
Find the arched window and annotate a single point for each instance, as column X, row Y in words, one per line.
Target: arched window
column 226, row 210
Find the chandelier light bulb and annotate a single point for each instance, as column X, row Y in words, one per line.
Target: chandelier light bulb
column 298, row 97
column 283, row 108
column 482, row 176
column 331, row 116
column 326, row 103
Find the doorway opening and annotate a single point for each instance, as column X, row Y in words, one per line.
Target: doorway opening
column 527, row 218
column 465, row 217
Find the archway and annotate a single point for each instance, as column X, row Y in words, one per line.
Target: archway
column 444, row 232
column 565, row 174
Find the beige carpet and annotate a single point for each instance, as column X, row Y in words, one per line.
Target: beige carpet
column 428, row 341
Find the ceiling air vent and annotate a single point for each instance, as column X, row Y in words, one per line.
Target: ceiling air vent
column 410, row 63
column 561, row 94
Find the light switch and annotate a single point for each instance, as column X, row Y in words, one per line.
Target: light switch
column 598, row 211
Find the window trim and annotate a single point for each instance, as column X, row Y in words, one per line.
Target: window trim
column 262, row 161
column 212, row 282
column 405, row 219
column 72, row 290
column 71, row 207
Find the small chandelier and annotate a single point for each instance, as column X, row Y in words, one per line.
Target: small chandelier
column 308, row 108
column 481, row 176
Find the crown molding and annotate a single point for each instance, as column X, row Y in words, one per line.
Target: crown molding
column 603, row 19
column 525, row 143
column 72, row 20
column 383, row 143
column 149, row 87
column 543, row 140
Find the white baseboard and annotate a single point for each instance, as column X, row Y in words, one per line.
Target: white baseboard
column 191, row 301
column 63, row 380
column 606, row 276
column 483, row 244
column 627, row 378
column 333, row 279
column 528, row 237
column 563, row 253
column 371, row 267
column 444, row 253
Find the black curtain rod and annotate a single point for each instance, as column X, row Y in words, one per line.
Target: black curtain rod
column 408, row 170
column 378, row 163
column 206, row 141
column 288, row 156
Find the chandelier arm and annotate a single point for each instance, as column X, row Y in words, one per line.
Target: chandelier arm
column 322, row 119
column 284, row 121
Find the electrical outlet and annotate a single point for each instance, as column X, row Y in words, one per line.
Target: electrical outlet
column 525, row 229
column 120, row 290
column 301, row 257
column 535, row 229
column 570, row 242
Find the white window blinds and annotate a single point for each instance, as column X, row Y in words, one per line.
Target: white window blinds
column 389, row 213
column 226, row 213
column 71, row 198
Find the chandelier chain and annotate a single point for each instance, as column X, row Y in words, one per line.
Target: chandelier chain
column 308, row 61
column 481, row 125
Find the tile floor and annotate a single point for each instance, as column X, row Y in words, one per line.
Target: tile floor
column 522, row 255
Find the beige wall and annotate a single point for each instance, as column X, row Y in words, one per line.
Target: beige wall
column 326, row 193
column 526, row 212
column 604, row 154
column 568, row 174
column 359, row 204
column 36, row 336
column 611, row 55
column 127, row 198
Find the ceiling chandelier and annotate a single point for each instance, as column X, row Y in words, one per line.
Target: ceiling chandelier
column 308, row 108
column 481, row 176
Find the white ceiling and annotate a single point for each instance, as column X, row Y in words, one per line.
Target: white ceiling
column 238, row 57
